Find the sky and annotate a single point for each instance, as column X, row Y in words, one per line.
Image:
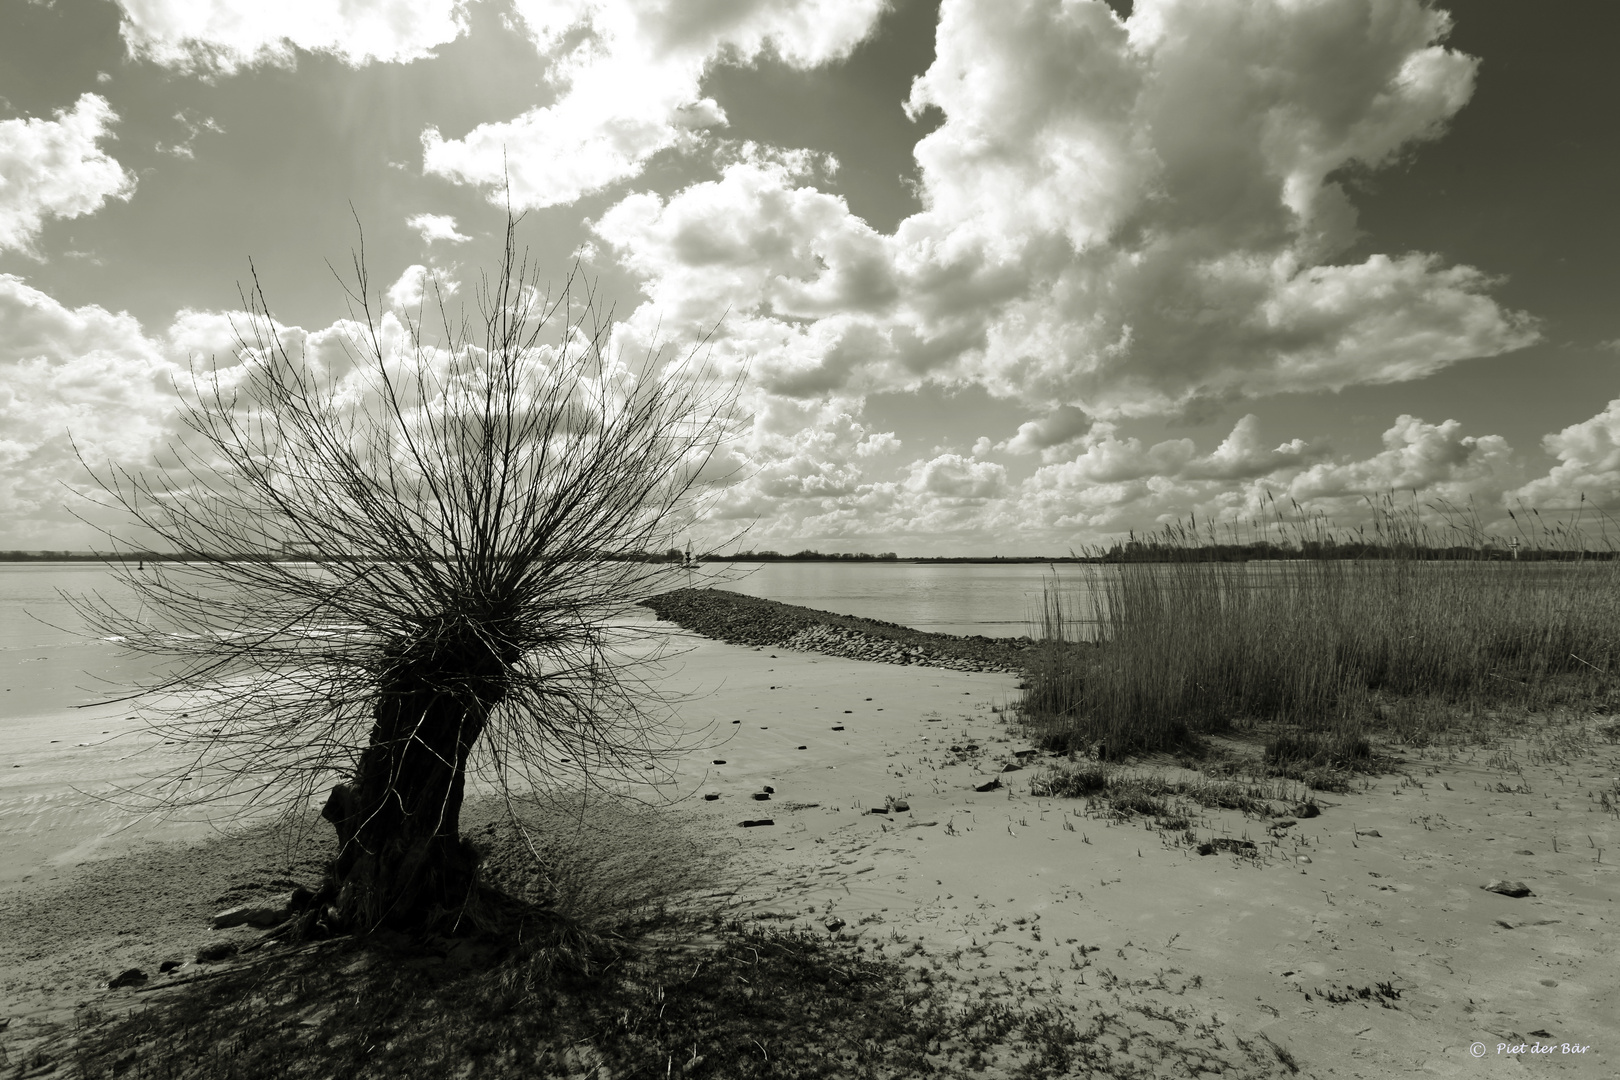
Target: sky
column 1000, row 277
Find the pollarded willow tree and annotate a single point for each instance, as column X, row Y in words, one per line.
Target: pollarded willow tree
column 406, row 562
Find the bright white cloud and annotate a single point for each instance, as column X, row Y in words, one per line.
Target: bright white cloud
column 1588, row 466
column 436, row 227
column 70, row 375
column 417, row 285
column 1436, row 459
column 628, row 78
column 225, row 35
column 1117, row 484
column 954, row 477
column 1120, row 219
column 54, row 168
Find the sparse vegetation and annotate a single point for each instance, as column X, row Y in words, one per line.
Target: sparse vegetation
column 460, row 504
column 1317, row 653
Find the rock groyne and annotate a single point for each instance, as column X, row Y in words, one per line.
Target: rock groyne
column 749, row 620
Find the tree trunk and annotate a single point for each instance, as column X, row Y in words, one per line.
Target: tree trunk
column 401, row 861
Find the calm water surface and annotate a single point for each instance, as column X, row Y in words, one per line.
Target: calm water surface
column 47, row 664
column 961, row 598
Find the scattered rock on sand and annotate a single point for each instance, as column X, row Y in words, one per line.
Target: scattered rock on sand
column 215, row 952
column 128, row 977
column 1515, row 889
column 991, row 786
column 264, row 915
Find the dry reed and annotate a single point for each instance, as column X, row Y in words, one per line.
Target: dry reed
column 1405, row 625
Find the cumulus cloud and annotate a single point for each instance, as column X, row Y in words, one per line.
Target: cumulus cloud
column 54, row 168
column 1050, row 433
column 1588, row 466
column 1121, row 219
column 85, row 371
column 1437, row 459
column 879, row 442
column 222, row 36
column 628, row 78
column 954, row 477
column 1116, row 483
column 436, row 227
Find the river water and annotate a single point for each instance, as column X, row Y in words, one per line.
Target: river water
column 48, row 664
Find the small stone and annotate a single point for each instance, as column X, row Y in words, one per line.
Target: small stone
column 1307, row 810
column 169, row 965
column 1285, row 823
column 1524, row 851
column 719, row 761
column 711, row 796
column 217, row 951
column 129, row 977
column 757, row 823
column 900, row 806
column 263, row 916
column 834, row 925
column 1011, row 768
column 1369, row 832
column 840, row 727
column 767, row 789
column 1515, row 889
column 1303, row 858
column 761, row 796
column 991, row 786
column 878, row 810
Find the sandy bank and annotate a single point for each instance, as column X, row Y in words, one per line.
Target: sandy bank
column 1238, row 962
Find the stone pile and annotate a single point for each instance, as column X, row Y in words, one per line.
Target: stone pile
column 854, row 645
column 748, row 620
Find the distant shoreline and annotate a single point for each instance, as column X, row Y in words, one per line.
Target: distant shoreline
column 842, row 560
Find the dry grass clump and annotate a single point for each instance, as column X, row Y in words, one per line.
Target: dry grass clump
column 1371, row 631
column 1127, row 793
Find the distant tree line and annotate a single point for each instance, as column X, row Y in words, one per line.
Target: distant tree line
column 802, row 556
column 1149, row 551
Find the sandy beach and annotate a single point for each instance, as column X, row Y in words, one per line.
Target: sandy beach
column 1357, row 943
